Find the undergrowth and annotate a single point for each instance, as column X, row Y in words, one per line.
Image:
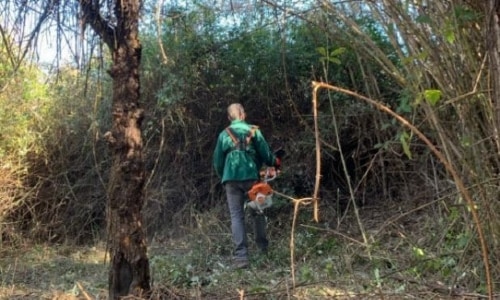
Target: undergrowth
column 406, row 258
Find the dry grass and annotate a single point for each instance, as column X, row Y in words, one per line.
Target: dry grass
column 330, row 261
column 52, row 272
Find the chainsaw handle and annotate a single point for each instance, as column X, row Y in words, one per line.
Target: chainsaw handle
column 269, row 173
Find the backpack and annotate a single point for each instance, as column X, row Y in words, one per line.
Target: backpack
column 241, row 144
column 260, row 195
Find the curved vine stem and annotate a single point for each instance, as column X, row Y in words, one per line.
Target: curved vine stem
column 318, row 152
column 458, row 181
column 296, row 204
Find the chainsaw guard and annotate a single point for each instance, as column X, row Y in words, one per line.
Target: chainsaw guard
column 262, row 203
column 261, row 196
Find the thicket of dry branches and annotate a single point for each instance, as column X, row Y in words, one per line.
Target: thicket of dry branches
column 443, row 79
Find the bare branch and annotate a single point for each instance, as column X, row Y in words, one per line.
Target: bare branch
column 90, row 16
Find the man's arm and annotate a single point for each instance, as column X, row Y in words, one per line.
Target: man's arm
column 263, row 149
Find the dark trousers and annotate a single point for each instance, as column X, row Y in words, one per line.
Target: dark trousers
column 236, row 192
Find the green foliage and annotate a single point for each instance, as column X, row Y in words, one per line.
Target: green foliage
column 313, row 243
column 22, row 107
column 331, row 56
column 465, row 14
column 46, row 151
column 307, row 274
column 405, row 103
column 23, row 101
column 445, row 257
column 176, row 272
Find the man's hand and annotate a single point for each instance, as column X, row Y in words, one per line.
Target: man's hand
column 277, row 163
column 280, row 153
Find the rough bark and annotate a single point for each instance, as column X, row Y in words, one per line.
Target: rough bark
column 129, row 271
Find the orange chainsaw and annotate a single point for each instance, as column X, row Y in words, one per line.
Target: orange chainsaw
column 261, row 193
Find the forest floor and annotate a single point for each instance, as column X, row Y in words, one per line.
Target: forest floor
column 331, row 260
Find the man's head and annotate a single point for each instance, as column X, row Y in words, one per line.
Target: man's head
column 236, row 111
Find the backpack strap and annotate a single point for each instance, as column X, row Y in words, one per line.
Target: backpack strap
column 251, row 133
column 239, row 143
column 232, row 135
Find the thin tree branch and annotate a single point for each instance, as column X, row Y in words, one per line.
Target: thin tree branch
column 91, row 17
column 158, row 28
column 449, row 167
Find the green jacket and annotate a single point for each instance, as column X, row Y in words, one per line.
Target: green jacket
column 231, row 164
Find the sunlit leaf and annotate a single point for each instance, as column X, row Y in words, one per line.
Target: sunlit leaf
column 419, row 252
column 432, row 96
column 450, row 36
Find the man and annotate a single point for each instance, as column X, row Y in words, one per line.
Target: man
column 240, row 152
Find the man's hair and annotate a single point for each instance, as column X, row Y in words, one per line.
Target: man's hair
column 235, row 111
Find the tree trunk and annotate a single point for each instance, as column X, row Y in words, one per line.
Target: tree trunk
column 129, row 271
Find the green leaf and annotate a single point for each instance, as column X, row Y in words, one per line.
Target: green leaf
column 419, row 252
column 338, row 51
column 404, row 106
column 334, row 60
column 322, row 51
column 432, row 96
column 464, row 14
column 466, row 141
column 404, row 139
column 424, row 19
column 450, row 36
column 462, row 241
